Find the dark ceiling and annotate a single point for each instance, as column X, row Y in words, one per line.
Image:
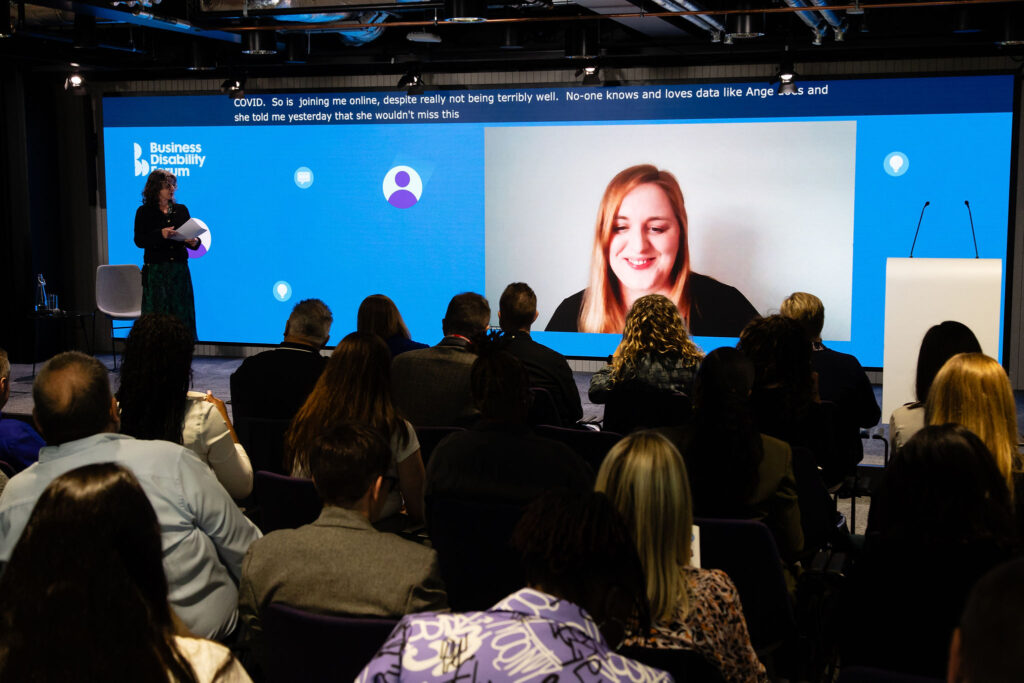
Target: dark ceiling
column 174, row 38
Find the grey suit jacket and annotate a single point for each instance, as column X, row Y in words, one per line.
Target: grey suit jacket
column 431, row 386
column 341, row 565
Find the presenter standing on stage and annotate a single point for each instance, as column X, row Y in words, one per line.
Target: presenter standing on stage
column 166, row 281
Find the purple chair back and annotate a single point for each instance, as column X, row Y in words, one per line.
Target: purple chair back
column 302, row 646
column 285, row 502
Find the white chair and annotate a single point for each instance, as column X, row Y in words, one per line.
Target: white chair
column 119, row 295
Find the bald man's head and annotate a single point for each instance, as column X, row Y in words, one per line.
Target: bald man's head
column 72, row 398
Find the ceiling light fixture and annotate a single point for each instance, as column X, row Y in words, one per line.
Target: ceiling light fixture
column 466, row 11
column 422, row 37
column 412, row 81
column 590, row 75
column 260, row 43
column 234, row 87
column 75, row 82
column 786, row 76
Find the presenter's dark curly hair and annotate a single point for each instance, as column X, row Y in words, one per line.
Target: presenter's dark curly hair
column 156, row 373
column 87, row 574
column 157, row 181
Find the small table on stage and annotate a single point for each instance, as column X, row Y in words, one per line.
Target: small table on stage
column 69, row 323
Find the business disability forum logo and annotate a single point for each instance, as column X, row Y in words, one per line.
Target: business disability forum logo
column 402, row 187
column 178, row 158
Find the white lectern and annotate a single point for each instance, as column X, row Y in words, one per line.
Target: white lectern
column 921, row 292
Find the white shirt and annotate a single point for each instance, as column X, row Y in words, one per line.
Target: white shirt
column 205, row 433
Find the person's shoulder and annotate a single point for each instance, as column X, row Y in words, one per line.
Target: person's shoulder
column 566, row 315
column 714, row 583
column 705, row 285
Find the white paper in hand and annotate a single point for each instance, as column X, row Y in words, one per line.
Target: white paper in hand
column 193, row 227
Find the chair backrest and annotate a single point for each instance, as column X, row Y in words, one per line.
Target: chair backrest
column 633, row 405
column 682, row 665
column 863, row 674
column 429, row 437
column 471, row 538
column 119, row 291
column 543, row 410
column 302, row 646
column 285, row 502
column 746, row 551
column 263, row 439
column 590, row 445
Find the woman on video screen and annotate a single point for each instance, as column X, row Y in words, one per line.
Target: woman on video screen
column 640, row 248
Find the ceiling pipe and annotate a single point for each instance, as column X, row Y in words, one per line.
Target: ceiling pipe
column 835, row 21
column 700, row 22
column 810, row 17
column 642, row 15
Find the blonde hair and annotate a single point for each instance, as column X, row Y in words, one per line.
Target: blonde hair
column 807, row 310
column 973, row 390
column 653, row 328
column 645, row 477
column 603, row 308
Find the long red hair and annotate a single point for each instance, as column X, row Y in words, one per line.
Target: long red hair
column 604, row 308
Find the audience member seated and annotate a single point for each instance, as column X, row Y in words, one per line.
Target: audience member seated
column 155, row 402
column 378, row 315
column 841, row 379
column 691, row 608
column 19, row 443
column 84, row 596
column 973, row 390
column 656, row 351
column 204, row 534
column 986, row 645
column 356, row 387
column 545, row 367
column 736, row 471
column 940, row 343
column 500, row 458
column 584, row 582
column 432, row 385
column 274, row 384
column 340, row 564
column 784, row 399
column 939, row 520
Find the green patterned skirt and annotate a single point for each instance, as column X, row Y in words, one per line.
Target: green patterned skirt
column 167, row 288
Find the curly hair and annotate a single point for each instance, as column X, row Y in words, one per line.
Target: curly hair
column 156, row 373
column 154, row 183
column 354, row 387
column 653, row 328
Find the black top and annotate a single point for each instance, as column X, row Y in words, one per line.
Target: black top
column 274, row 384
column 149, row 221
column 716, row 310
column 507, row 462
column 547, row 369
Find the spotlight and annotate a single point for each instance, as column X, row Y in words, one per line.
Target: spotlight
column 510, row 40
column 786, row 77
column 412, row 81
column 75, row 82
column 234, row 87
column 260, row 43
column 590, row 75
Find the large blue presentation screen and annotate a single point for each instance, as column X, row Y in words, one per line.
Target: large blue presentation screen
column 339, row 195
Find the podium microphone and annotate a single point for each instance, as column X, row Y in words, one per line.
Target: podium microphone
column 919, row 219
column 973, row 236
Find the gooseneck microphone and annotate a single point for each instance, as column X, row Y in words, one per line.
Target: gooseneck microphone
column 973, row 236
column 919, row 219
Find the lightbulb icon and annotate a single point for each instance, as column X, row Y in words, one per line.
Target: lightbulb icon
column 896, row 164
